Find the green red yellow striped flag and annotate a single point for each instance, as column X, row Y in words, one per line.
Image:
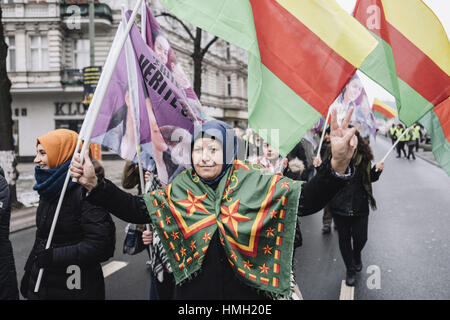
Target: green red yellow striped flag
column 301, row 53
column 417, row 54
column 411, row 62
column 382, row 111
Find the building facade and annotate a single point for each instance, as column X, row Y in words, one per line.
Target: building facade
column 49, row 46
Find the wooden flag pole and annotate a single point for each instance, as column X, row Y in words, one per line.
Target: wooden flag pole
column 104, row 78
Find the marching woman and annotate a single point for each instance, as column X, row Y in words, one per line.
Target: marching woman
column 227, row 226
column 84, row 235
column 350, row 208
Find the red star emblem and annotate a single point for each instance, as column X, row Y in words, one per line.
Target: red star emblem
column 263, row 269
column 206, row 237
column 163, row 205
column 248, row 265
column 230, row 216
column 267, row 249
column 183, row 252
column 193, row 246
column 193, row 203
column 168, row 220
column 175, row 235
column 270, row 231
column 273, row 214
column 285, row 184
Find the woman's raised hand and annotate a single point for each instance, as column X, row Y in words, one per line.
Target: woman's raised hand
column 85, row 173
column 343, row 142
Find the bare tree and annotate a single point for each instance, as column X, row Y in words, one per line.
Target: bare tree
column 7, row 155
column 199, row 52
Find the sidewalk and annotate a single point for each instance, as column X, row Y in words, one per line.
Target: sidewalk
column 26, row 217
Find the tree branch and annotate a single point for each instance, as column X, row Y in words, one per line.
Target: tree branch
column 166, row 14
column 205, row 49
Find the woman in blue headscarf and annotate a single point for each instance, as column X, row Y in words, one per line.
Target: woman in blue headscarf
column 227, row 226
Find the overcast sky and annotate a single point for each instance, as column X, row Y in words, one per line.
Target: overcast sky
column 442, row 10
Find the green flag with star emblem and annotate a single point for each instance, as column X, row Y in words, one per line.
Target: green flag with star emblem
column 254, row 212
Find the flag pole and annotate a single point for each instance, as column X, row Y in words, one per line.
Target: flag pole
column 325, row 125
column 104, row 78
column 107, row 75
column 396, row 142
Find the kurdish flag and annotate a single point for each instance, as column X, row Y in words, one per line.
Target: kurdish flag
column 411, row 62
column 382, row 111
column 301, row 53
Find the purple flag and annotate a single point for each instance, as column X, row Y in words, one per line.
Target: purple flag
column 168, row 110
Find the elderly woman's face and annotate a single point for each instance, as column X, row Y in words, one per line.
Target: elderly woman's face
column 207, row 158
column 41, row 158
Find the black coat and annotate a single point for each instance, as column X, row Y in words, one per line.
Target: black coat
column 8, row 278
column 216, row 280
column 84, row 236
column 353, row 200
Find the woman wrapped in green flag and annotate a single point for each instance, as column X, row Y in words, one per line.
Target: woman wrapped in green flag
column 227, row 226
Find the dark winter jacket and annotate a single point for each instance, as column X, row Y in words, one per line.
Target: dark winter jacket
column 8, row 279
column 355, row 198
column 216, row 280
column 84, row 237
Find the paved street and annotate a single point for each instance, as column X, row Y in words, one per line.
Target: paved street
column 408, row 241
column 408, row 238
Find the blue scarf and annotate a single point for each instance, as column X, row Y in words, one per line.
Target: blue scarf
column 49, row 182
column 223, row 133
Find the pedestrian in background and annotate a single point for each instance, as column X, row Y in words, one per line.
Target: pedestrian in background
column 401, row 144
column 417, row 134
column 392, row 133
column 84, row 235
column 8, row 277
column 411, row 143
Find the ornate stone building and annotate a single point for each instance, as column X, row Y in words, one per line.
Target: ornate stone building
column 49, row 45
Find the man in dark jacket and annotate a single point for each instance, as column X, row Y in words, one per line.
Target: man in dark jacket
column 8, row 280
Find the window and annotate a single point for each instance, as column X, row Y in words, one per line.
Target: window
column 38, row 53
column 11, row 57
column 229, row 85
column 81, row 56
column 228, row 52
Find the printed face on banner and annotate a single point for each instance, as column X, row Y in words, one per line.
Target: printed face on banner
column 168, row 107
column 354, row 95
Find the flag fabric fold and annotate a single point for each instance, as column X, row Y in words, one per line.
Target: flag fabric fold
column 297, row 63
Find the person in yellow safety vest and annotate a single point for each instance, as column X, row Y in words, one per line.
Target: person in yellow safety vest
column 392, row 133
column 416, row 135
column 401, row 143
column 410, row 141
